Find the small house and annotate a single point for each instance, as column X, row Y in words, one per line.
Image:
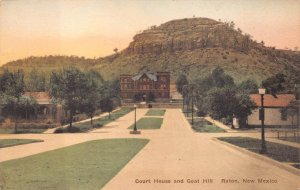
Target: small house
column 280, row 111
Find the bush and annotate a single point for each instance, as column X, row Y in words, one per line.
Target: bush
column 59, row 130
column 201, row 113
column 226, row 120
column 151, row 97
column 67, row 130
column 137, row 97
column 35, row 126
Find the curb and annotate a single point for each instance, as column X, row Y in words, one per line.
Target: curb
column 260, row 157
column 187, row 123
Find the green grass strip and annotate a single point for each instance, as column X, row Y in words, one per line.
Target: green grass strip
column 276, row 151
column 155, row 112
column 97, row 123
column 88, row 165
column 15, row 142
column 148, row 123
column 201, row 125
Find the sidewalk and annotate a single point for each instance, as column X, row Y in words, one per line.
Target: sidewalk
column 49, row 131
column 220, row 124
column 177, row 153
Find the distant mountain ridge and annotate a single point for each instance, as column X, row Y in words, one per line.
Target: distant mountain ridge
column 193, row 46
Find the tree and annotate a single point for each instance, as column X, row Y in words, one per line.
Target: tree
column 217, row 95
column 217, row 79
column 106, row 105
column 239, row 30
column 69, row 88
column 11, row 89
column 27, row 104
column 94, row 92
column 227, row 103
column 116, row 50
column 111, row 89
column 275, row 84
column 180, row 82
column 246, row 43
column 36, row 82
column 220, row 79
column 232, row 24
column 243, row 107
column 249, row 86
column 220, row 102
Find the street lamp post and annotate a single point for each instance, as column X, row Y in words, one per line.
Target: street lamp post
column 262, row 118
column 184, row 93
column 183, row 103
column 192, row 106
column 135, row 129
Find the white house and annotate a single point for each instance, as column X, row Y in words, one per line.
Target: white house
column 278, row 110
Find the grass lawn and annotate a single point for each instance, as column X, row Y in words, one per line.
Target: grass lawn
column 15, row 142
column 201, row 125
column 189, row 114
column 148, row 123
column 155, row 112
column 279, row 152
column 97, row 123
column 88, row 165
column 11, row 131
column 291, row 139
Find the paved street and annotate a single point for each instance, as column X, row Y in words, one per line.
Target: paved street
column 175, row 152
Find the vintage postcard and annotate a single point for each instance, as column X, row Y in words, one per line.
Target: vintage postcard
column 152, row 95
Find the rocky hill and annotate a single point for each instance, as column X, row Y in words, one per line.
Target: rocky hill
column 193, row 46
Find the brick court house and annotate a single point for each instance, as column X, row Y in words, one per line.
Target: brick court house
column 145, row 86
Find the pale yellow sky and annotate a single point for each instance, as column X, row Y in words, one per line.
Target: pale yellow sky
column 93, row 28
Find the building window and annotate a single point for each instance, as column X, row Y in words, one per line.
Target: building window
column 163, row 86
column 283, row 114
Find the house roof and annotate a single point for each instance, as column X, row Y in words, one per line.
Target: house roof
column 40, row 97
column 281, row 100
column 150, row 75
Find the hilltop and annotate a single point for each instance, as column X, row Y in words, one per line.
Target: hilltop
column 193, row 46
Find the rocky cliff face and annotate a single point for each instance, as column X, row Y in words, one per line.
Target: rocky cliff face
column 188, row 34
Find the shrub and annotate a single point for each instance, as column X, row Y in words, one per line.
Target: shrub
column 137, row 97
column 35, row 126
column 67, row 130
column 201, row 113
column 151, row 97
column 59, row 130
